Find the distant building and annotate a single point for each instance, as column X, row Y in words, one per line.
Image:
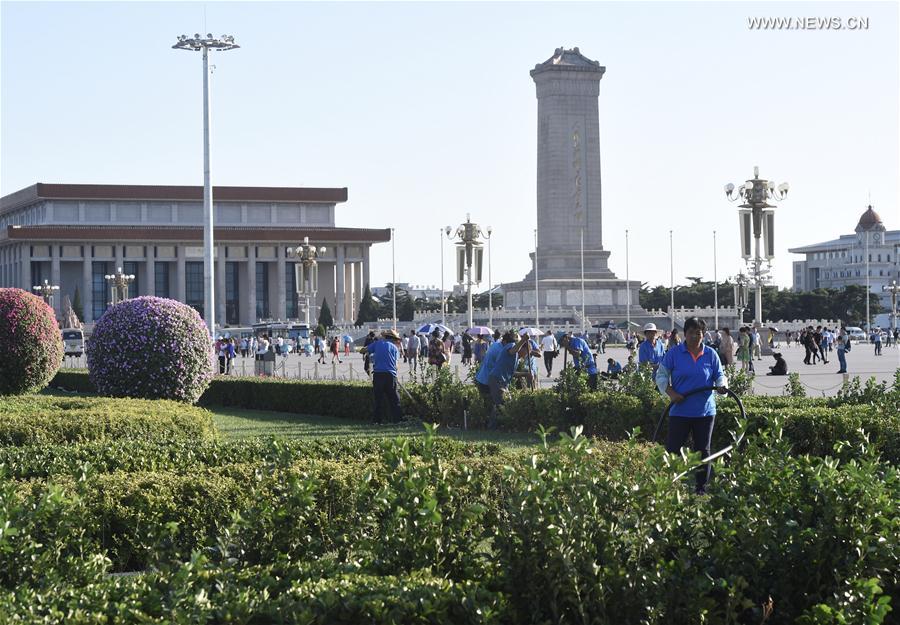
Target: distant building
column 415, row 291
column 840, row 262
column 75, row 234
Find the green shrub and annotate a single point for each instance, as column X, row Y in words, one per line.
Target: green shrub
column 627, row 545
column 44, row 419
column 310, row 594
column 185, row 454
column 31, row 347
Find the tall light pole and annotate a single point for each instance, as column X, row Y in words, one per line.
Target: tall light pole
column 671, row 281
column 204, row 44
column 468, row 235
column 46, row 291
column 755, row 193
column 627, row 290
column 394, row 276
column 868, row 287
column 443, row 307
column 306, row 272
column 118, row 286
column 537, row 307
column 741, row 286
column 582, row 281
column 715, row 283
column 488, row 232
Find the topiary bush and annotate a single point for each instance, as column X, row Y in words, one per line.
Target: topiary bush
column 151, row 348
column 31, row 348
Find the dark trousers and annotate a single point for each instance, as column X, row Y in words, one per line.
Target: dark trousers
column 548, row 361
column 385, row 387
column 221, row 364
column 700, row 430
column 592, row 381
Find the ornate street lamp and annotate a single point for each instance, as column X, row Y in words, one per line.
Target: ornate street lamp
column 487, row 235
column 893, row 289
column 306, row 272
column 469, row 253
column 46, row 291
column 118, row 286
column 741, row 295
column 205, row 44
column 756, row 210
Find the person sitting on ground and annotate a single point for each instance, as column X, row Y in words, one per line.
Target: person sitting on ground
column 780, row 367
column 613, row 369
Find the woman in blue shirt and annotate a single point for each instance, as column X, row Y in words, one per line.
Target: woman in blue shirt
column 686, row 367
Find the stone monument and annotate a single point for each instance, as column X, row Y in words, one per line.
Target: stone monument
column 569, row 192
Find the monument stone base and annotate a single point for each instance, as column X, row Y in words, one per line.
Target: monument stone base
column 603, row 298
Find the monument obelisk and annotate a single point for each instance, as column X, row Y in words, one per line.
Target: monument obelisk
column 569, row 190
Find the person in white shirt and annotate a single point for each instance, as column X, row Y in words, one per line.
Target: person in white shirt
column 279, row 345
column 262, row 346
column 404, row 344
column 412, row 350
column 551, row 349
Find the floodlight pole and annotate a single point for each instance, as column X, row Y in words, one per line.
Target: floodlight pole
column 225, row 42
column 715, row 284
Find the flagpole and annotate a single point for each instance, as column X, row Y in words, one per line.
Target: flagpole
column 582, row 282
column 715, row 284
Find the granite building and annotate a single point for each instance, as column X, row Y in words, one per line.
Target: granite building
column 840, row 262
column 75, row 234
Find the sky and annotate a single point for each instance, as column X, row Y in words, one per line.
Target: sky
column 427, row 112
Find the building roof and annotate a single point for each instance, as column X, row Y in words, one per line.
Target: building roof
column 287, row 234
column 568, row 60
column 869, row 220
column 141, row 192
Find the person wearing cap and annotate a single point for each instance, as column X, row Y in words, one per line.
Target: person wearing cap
column 685, row 368
column 384, row 354
column 651, row 350
column 780, row 367
column 582, row 358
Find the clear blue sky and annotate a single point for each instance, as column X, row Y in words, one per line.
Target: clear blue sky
column 427, row 112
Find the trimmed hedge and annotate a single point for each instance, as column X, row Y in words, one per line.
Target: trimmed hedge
column 308, row 594
column 47, row 419
column 111, row 455
column 814, row 425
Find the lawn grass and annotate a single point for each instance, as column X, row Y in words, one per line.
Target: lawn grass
column 235, row 423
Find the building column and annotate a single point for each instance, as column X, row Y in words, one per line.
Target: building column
column 281, row 306
column 149, row 272
column 219, row 258
column 250, row 318
column 54, row 279
column 365, row 266
column 358, row 283
column 87, row 280
column 339, row 294
column 350, row 287
column 180, row 273
column 24, row 257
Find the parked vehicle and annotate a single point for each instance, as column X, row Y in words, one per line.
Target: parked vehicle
column 73, row 342
column 856, row 334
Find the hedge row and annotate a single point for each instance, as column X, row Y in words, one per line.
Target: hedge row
column 266, row 594
column 47, row 419
column 555, row 537
column 127, row 514
column 180, row 455
column 815, row 426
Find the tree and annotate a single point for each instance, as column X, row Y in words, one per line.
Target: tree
column 368, row 308
column 325, row 318
column 77, row 306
